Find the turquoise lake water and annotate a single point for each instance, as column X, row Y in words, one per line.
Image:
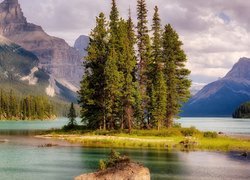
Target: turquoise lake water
column 22, row 159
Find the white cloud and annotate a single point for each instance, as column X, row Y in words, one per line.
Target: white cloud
column 213, row 44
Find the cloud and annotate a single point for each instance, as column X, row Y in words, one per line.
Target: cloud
column 215, row 33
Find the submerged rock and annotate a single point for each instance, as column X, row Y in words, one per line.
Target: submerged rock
column 244, row 154
column 123, row 171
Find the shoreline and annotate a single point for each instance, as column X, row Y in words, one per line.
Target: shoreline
column 223, row 143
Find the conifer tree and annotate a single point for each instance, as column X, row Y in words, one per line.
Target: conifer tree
column 127, row 67
column 176, row 74
column 114, row 18
column 113, row 85
column 159, row 101
column 155, row 70
column 72, row 117
column 144, row 49
column 92, row 92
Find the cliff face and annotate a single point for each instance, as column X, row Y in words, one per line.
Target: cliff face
column 81, row 45
column 56, row 57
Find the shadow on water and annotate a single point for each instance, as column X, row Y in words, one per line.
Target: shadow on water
column 20, row 132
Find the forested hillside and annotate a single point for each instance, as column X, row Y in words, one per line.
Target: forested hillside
column 16, row 107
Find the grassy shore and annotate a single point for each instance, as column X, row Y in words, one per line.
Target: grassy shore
column 186, row 139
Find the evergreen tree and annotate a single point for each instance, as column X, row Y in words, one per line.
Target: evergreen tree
column 176, row 74
column 114, row 19
column 144, row 49
column 127, row 67
column 92, row 92
column 72, row 117
column 155, row 68
column 159, row 100
column 113, row 85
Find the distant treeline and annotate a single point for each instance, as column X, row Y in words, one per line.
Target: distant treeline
column 243, row 111
column 13, row 106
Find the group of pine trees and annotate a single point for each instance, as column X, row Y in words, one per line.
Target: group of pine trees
column 13, row 107
column 243, row 111
column 127, row 86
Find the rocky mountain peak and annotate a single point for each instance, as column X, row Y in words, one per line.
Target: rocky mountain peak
column 81, row 44
column 11, row 12
column 240, row 70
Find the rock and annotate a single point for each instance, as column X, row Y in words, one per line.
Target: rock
column 56, row 57
column 81, row 44
column 124, row 171
column 244, row 154
column 48, row 145
column 4, row 140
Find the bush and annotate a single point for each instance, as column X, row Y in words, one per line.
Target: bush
column 102, row 165
column 190, row 131
column 210, row 134
column 114, row 159
column 177, row 125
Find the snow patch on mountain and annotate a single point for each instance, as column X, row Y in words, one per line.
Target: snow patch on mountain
column 32, row 80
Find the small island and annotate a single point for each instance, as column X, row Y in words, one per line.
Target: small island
column 243, row 111
column 118, row 167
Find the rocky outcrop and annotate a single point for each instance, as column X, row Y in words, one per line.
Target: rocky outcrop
column 81, row 44
column 56, row 57
column 124, row 171
column 222, row 97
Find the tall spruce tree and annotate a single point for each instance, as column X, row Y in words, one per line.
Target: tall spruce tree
column 92, row 92
column 114, row 18
column 113, row 85
column 176, row 74
column 159, row 90
column 144, row 49
column 159, row 101
column 127, row 67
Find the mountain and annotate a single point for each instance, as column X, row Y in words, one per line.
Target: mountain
column 81, row 44
column 19, row 70
column 222, row 97
column 62, row 62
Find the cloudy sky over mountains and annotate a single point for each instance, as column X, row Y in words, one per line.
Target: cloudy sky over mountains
column 215, row 33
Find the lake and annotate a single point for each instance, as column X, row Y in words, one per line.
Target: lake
column 22, row 159
column 225, row 125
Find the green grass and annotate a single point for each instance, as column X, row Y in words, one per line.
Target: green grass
column 171, row 139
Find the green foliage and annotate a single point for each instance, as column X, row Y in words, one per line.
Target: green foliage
column 176, row 74
column 102, row 165
column 144, row 58
column 17, row 107
column 122, row 90
column 113, row 160
column 210, row 134
column 72, row 124
column 190, row 131
column 92, row 96
column 243, row 111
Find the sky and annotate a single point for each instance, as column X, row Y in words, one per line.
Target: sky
column 215, row 33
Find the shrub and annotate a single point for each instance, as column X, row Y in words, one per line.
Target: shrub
column 102, row 165
column 189, row 131
column 114, row 159
column 210, row 134
column 177, row 125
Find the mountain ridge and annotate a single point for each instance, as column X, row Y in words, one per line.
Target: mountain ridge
column 220, row 98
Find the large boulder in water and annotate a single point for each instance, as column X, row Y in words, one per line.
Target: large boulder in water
column 123, row 171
